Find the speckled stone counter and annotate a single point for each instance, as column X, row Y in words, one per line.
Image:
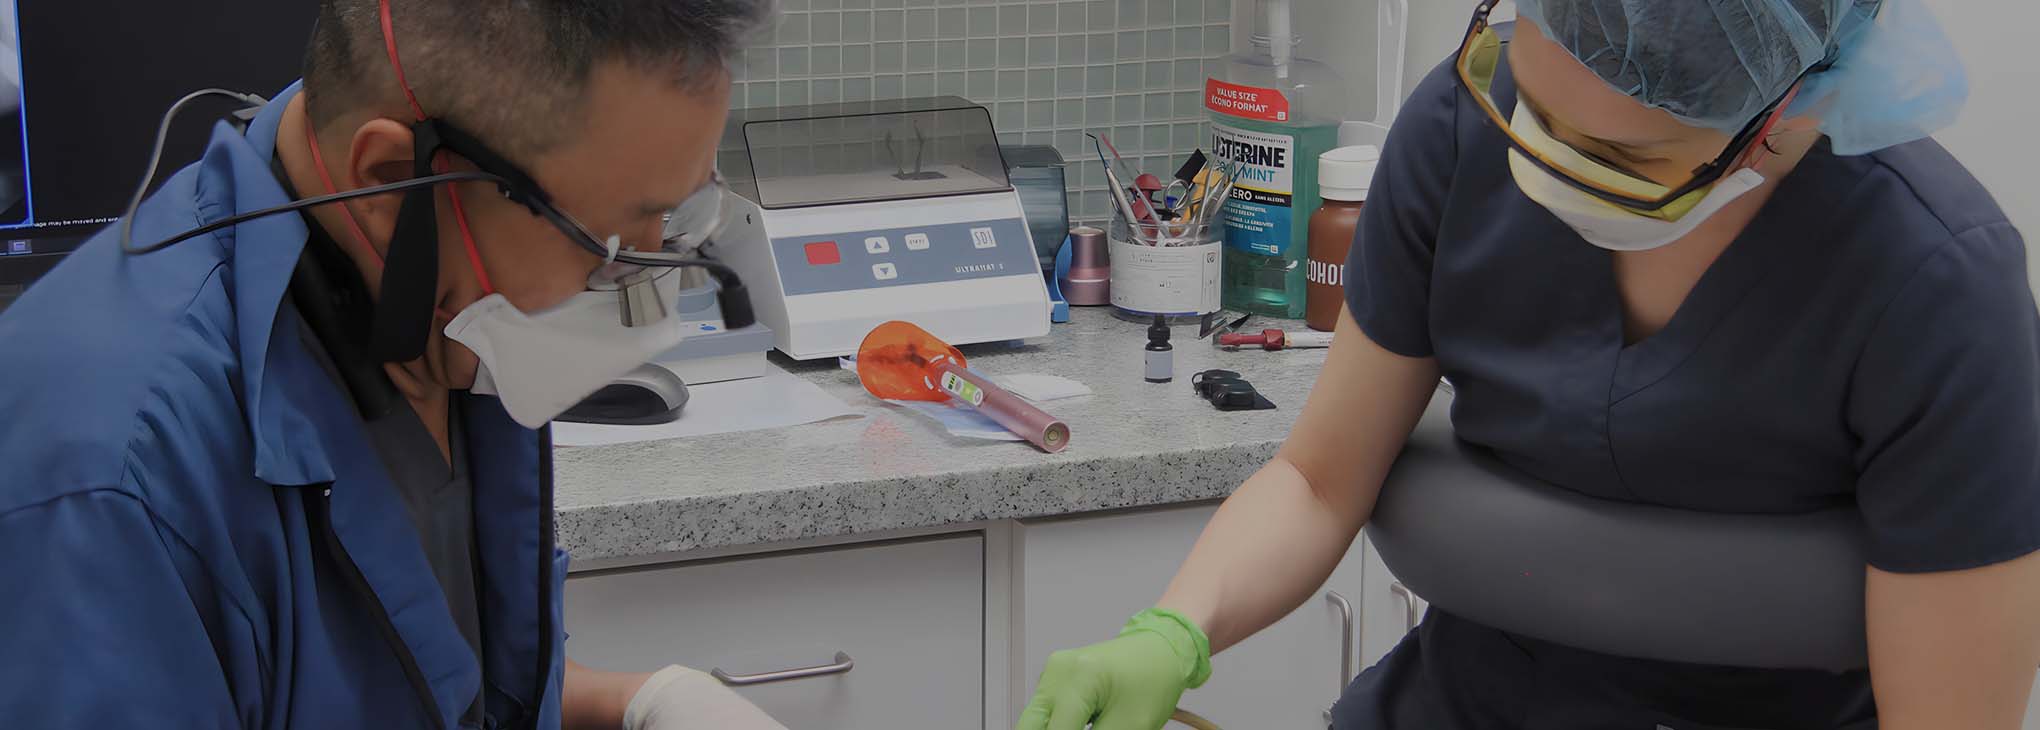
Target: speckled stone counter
column 1133, row 444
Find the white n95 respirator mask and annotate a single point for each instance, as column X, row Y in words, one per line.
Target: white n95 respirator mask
column 542, row 363
column 1602, row 223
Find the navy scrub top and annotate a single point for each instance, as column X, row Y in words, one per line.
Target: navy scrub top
column 1871, row 337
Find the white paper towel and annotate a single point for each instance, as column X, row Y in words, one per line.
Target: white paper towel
column 777, row 400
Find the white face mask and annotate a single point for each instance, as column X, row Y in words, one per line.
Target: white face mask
column 541, row 364
column 1602, row 223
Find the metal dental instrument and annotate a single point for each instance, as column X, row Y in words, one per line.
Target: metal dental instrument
column 1118, row 192
column 1125, row 170
column 1129, row 178
column 1221, row 323
column 1176, row 197
column 1223, row 192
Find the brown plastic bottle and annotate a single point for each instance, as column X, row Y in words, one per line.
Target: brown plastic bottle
column 1343, row 177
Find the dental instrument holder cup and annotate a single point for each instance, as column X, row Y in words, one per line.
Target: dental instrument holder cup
column 846, row 216
column 899, row 361
column 1167, row 269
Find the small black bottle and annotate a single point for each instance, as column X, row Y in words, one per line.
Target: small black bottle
column 1161, row 358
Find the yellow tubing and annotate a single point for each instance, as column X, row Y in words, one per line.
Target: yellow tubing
column 1190, row 718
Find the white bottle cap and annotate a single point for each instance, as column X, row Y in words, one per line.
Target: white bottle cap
column 1346, row 172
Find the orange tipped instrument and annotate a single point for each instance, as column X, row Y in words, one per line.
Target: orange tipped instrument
column 899, row 361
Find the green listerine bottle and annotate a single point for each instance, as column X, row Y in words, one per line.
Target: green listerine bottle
column 1272, row 115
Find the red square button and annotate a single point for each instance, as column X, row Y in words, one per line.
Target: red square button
column 823, row 253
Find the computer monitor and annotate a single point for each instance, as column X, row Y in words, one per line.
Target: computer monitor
column 83, row 84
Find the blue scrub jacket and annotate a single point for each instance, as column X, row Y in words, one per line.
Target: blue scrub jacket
column 194, row 529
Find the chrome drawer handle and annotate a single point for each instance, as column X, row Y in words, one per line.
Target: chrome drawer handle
column 842, row 664
column 1410, row 615
column 1345, row 637
column 1345, row 644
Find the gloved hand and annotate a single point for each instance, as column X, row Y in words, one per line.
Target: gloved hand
column 1129, row 683
column 678, row 698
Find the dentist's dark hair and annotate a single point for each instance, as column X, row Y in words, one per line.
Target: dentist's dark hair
column 514, row 72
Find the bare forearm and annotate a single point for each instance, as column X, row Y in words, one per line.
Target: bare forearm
column 1955, row 649
column 1284, row 531
column 1268, row 548
column 595, row 700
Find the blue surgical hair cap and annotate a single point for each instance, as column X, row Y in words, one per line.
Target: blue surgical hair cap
column 1717, row 64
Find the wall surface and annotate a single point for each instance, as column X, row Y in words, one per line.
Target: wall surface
column 1050, row 70
column 1995, row 136
column 1343, row 33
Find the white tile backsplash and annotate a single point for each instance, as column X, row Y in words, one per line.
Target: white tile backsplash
column 1050, row 70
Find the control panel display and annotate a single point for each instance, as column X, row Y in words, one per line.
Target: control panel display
column 856, row 260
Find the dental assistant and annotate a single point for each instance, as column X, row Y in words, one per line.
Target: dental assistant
column 265, row 467
column 1694, row 254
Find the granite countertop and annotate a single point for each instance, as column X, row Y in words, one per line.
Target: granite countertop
column 1132, row 444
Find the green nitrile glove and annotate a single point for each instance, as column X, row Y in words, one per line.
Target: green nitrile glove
column 1129, row 683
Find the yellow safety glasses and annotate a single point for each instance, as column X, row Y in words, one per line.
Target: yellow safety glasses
column 1481, row 53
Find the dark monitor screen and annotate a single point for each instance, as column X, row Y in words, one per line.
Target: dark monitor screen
column 83, row 85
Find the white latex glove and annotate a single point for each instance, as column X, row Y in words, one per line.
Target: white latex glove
column 678, row 698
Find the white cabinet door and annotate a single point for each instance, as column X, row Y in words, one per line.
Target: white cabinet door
column 2033, row 708
column 1081, row 578
column 1387, row 609
column 909, row 615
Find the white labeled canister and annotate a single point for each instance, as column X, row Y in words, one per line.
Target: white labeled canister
column 1167, row 280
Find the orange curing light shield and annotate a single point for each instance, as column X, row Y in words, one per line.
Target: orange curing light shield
column 899, row 361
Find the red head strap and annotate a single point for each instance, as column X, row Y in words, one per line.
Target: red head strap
column 467, row 237
column 326, row 178
column 389, row 34
column 1760, row 147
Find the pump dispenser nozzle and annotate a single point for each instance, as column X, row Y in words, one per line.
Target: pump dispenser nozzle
column 1279, row 35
